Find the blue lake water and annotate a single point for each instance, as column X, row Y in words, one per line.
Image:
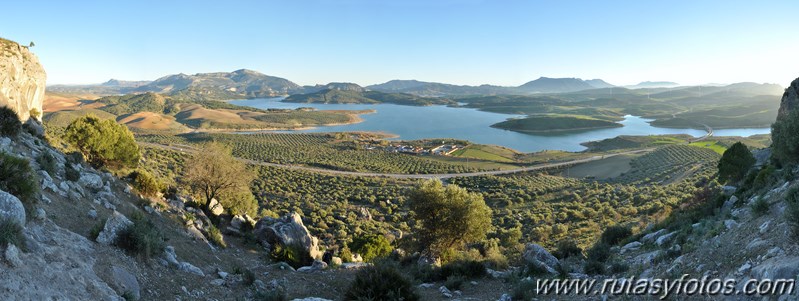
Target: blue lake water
column 412, row 122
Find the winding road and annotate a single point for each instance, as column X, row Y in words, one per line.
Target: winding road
column 409, row 176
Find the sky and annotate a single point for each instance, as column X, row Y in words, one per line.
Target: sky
column 467, row 42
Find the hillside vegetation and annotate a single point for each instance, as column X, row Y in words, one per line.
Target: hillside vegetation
column 546, row 124
column 335, row 96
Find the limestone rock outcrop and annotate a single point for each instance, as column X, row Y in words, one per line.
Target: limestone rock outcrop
column 22, row 79
column 790, row 99
column 288, row 231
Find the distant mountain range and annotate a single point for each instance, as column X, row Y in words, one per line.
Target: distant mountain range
column 540, row 85
column 246, row 83
column 648, row 84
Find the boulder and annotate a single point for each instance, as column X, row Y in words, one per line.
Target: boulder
column 631, row 247
column 728, row 190
column 190, row 268
column 762, row 156
column 11, row 208
column 727, row 206
column 34, row 127
column 91, row 180
column 123, row 282
column 288, row 231
column 537, row 255
column 777, row 268
column 170, row 257
column 665, row 238
column 117, row 222
column 12, row 256
column 5, row 144
column 651, row 237
column 317, row 265
column 216, row 207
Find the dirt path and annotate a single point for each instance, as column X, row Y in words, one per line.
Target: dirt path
column 185, row 148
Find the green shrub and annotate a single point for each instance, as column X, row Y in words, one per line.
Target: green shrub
column 216, row 236
column 615, row 234
column 295, row 256
column 47, row 162
column 381, row 282
column 103, row 142
column 145, row 183
column 345, row 254
column 784, row 141
column 567, row 248
column 618, row 267
column 247, row 277
column 600, row 252
column 454, row 282
column 524, row 290
column 11, row 233
column 277, row 294
column 765, row 177
column 467, row 268
column 97, row 228
column 10, row 125
column 593, row 267
column 735, row 163
column 70, row 173
column 792, row 212
column 18, row 179
column 371, row 247
column 760, row 206
column 35, row 113
column 143, row 238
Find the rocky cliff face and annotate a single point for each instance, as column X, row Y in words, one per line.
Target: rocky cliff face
column 790, row 100
column 22, row 79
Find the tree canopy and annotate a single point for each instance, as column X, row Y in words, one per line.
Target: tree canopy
column 448, row 217
column 213, row 171
column 103, row 142
column 735, row 162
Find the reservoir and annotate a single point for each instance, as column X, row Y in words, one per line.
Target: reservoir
column 424, row 122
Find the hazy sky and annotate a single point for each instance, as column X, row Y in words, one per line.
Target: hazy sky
column 454, row 41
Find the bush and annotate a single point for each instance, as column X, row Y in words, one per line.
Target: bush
column 35, row 114
column 454, row 282
column 18, row 179
column 760, row 206
column 792, row 212
column 567, row 248
column 381, row 282
column 143, row 238
column 103, row 142
column 295, row 256
column 11, row 233
column 467, row 268
column 10, row 125
column 784, row 141
column 618, row 267
column 47, row 162
column 735, row 162
column 600, row 252
column 216, row 236
column 371, row 247
column 345, row 254
column 97, row 228
column 524, row 290
column 145, row 183
column 593, row 267
column 277, row 294
column 70, row 173
column 615, row 234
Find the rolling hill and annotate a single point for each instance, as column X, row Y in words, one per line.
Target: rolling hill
column 332, row 96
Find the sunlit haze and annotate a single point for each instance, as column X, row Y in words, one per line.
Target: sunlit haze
column 368, row 42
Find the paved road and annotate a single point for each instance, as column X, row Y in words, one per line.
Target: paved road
column 185, row 148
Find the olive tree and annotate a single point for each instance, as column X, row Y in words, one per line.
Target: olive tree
column 213, row 171
column 103, row 142
column 735, row 162
column 448, row 217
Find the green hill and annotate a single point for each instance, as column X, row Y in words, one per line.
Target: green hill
column 544, row 124
column 332, row 96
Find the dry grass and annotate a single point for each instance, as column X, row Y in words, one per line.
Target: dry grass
column 151, row 121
